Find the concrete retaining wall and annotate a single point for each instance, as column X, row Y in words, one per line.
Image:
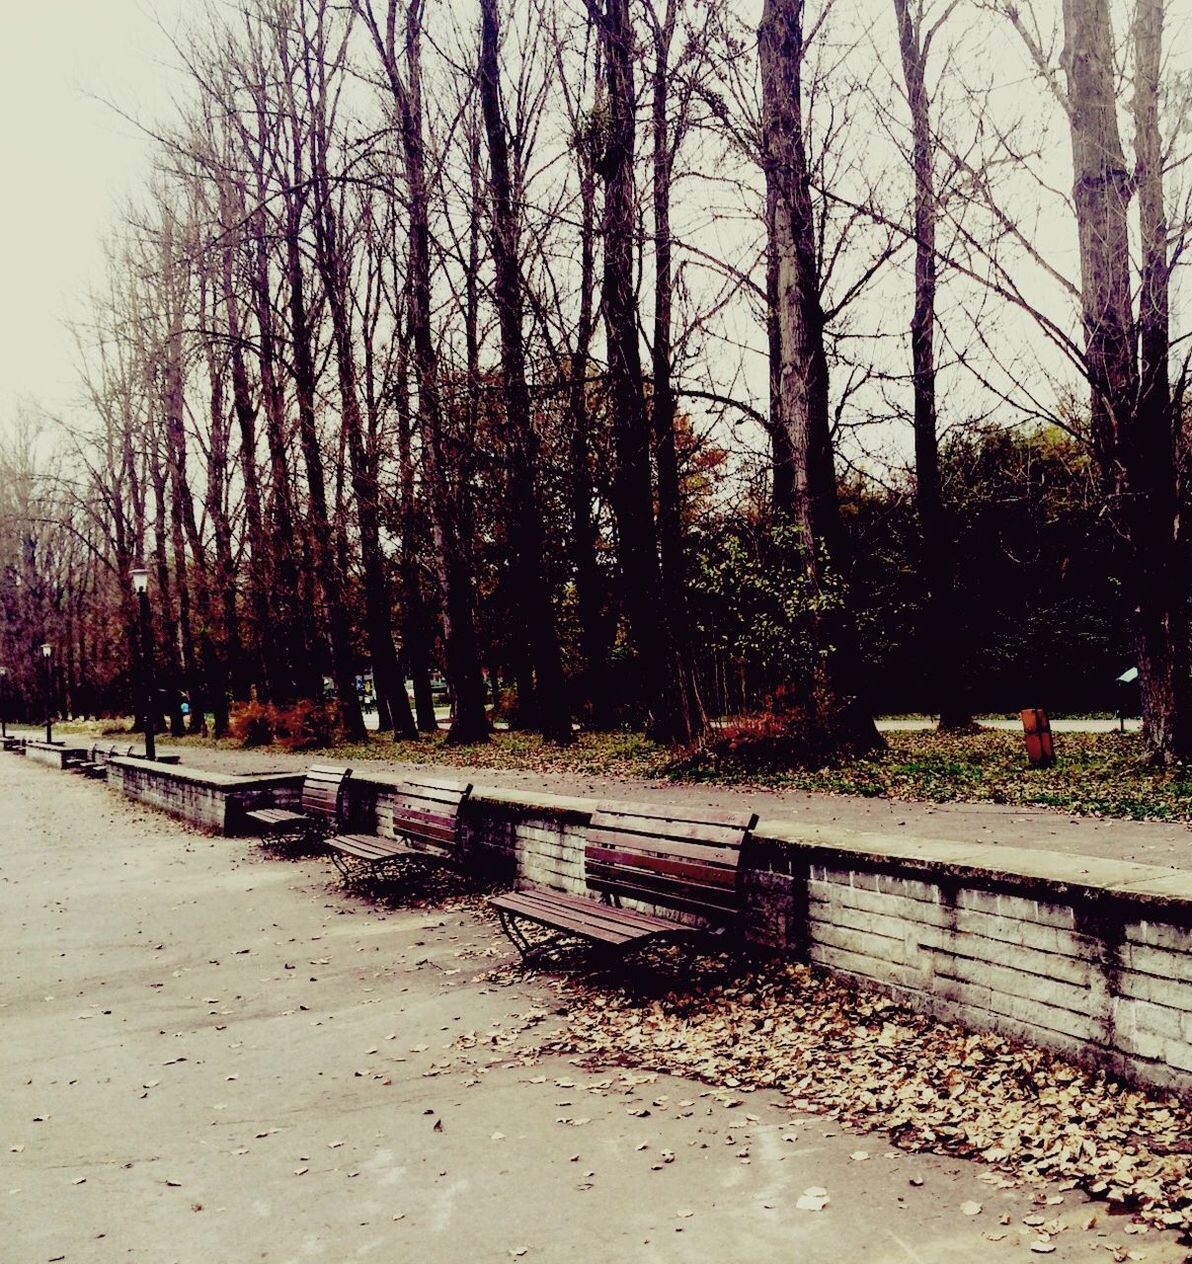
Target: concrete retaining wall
column 1090, row 957
column 212, row 800
column 55, row 755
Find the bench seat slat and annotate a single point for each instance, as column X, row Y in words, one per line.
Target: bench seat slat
column 370, row 847
column 684, row 899
column 437, row 787
column 595, row 911
column 571, row 915
column 435, row 805
column 428, row 820
column 276, row 816
column 655, row 815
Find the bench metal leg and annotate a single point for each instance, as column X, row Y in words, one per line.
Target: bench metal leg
column 528, row 949
column 514, row 933
column 347, row 871
column 543, row 948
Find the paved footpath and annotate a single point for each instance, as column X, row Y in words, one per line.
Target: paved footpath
column 212, row 1056
column 1145, row 842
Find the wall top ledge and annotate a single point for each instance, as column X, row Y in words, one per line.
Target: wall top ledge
column 555, row 804
column 536, row 800
column 203, row 777
column 1037, row 873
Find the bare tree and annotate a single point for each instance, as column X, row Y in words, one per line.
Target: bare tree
column 402, row 65
column 526, row 527
column 941, row 630
column 830, row 710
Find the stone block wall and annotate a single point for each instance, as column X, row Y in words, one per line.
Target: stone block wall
column 213, row 801
column 1090, row 957
column 55, row 755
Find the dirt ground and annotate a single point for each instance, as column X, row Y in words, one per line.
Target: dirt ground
column 211, row 1055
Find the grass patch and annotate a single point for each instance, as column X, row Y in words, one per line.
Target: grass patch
column 1096, row 774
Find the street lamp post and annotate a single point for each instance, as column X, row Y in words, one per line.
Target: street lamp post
column 47, row 651
column 3, row 701
column 140, row 585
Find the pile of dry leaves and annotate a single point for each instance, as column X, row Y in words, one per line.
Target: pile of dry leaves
column 875, row 1065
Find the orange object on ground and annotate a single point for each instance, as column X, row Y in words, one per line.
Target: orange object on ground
column 1037, row 727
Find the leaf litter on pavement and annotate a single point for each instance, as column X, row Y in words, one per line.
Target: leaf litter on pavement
column 857, row 1056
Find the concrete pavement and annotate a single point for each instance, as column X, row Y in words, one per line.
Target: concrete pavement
column 209, row 1055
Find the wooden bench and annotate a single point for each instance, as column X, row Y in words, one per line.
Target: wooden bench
column 321, row 807
column 90, row 765
column 425, row 819
column 680, row 859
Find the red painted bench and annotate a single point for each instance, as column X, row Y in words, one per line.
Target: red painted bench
column 684, row 860
column 424, row 814
column 321, row 807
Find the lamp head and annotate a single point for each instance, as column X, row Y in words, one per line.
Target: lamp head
column 46, row 650
column 140, row 580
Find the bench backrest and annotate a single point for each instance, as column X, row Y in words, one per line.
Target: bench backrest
column 675, row 857
column 426, row 814
column 323, row 790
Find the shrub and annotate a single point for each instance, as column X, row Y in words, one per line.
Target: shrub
column 254, row 724
column 304, row 725
column 785, row 736
column 307, row 725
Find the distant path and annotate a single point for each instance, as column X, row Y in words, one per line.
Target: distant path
column 918, row 724
column 1147, row 842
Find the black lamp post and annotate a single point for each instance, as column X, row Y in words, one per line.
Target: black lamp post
column 47, row 652
column 3, row 701
column 140, row 585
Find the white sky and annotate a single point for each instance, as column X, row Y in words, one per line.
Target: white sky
column 66, row 160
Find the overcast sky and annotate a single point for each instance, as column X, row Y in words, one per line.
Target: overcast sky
column 65, row 161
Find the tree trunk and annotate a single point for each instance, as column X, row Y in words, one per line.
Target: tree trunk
column 829, row 706
column 469, row 720
column 246, row 419
column 416, row 622
column 690, row 720
column 637, row 544
column 330, row 254
column 941, row 635
column 1133, row 420
column 527, row 530
column 322, row 537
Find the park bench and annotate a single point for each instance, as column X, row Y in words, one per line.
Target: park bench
column 320, row 806
column 424, row 814
column 90, row 765
column 683, row 860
